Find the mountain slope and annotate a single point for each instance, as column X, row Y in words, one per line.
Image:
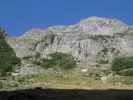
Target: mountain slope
column 92, row 42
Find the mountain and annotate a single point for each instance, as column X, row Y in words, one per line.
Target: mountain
column 93, row 42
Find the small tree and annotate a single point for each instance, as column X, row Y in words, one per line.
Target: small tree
column 8, row 59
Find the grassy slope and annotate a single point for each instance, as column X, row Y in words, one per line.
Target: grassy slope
column 69, row 80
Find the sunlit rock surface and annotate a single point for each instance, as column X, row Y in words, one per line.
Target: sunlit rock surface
column 90, row 41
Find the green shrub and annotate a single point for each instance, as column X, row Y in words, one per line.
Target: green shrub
column 102, row 61
column 27, row 57
column 58, row 60
column 122, row 63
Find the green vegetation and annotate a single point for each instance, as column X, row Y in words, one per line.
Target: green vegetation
column 68, row 80
column 103, row 61
column 8, row 59
column 57, row 60
column 123, row 65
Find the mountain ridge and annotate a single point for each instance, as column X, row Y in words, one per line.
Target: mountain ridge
column 90, row 41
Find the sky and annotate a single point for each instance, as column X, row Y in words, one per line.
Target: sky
column 19, row 16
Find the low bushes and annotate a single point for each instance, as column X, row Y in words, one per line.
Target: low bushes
column 57, row 60
column 123, row 65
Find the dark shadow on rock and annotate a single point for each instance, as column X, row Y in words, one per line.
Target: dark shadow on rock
column 66, row 94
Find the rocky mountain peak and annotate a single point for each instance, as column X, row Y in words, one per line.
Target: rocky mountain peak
column 95, row 19
column 90, row 41
column 91, row 26
column 102, row 26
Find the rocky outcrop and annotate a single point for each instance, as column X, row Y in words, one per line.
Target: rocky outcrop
column 91, row 41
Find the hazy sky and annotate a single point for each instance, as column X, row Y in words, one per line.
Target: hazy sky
column 18, row 16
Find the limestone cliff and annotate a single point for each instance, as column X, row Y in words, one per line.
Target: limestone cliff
column 91, row 41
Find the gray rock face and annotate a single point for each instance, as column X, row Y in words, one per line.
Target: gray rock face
column 91, row 41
